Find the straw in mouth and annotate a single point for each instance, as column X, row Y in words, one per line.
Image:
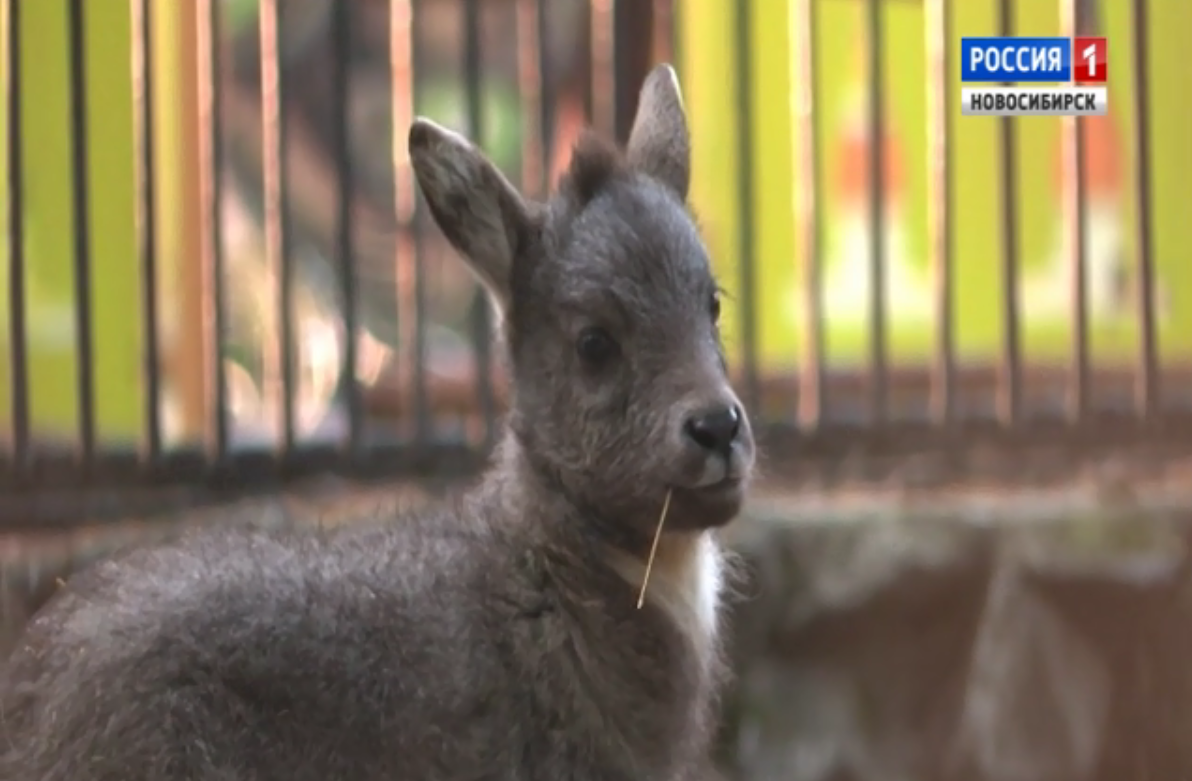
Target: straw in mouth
column 641, row 597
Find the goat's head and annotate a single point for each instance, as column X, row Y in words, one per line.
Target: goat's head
column 620, row 391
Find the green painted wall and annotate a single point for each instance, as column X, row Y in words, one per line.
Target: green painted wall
column 708, row 74
column 50, row 228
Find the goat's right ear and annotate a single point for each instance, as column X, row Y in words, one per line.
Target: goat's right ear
column 475, row 206
column 660, row 143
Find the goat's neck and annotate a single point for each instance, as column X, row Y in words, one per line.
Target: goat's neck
column 688, row 573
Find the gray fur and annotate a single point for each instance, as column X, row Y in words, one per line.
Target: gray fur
column 495, row 637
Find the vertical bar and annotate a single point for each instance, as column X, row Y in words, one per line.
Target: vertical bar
column 18, row 346
column 473, row 75
column 187, row 358
column 1147, row 381
column 341, row 31
column 603, row 84
column 547, row 106
column 1074, row 224
column 530, row 67
column 211, row 187
column 407, row 294
column 663, row 46
column 142, row 11
column 1009, row 391
column 748, row 310
column 633, row 26
column 877, row 227
column 277, row 229
column 82, row 233
column 939, row 203
column 673, row 28
column 811, row 370
column 418, row 308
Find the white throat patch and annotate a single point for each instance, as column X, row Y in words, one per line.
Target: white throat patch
column 687, row 582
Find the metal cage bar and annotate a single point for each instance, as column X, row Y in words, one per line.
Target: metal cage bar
column 878, row 349
column 85, row 370
column 1075, row 218
column 1147, row 387
column 345, row 249
column 745, row 204
column 1009, row 401
column 597, row 74
column 939, row 199
column 278, row 251
column 482, row 321
column 213, row 294
column 811, row 386
column 18, row 358
column 143, row 67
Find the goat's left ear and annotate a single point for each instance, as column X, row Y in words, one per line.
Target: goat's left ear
column 660, row 144
column 475, row 206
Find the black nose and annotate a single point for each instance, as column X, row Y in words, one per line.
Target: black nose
column 715, row 429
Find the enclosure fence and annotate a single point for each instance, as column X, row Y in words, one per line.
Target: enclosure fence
column 130, row 366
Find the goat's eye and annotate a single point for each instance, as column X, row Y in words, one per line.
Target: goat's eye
column 595, row 346
column 714, row 307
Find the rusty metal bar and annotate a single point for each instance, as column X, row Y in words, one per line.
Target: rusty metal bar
column 603, row 66
column 746, row 251
column 811, row 370
column 482, row 323
column 633, row 27
column 674, row 32
column 549, row 105
column 1074, row 178
column 1147, row 386
column 188, row 354
column 531, row 65
column 85, row 371
column 416, row 288
column 401, row 68
column 938, row 35
column 878, row 358
column 18, row 359
column 1009, row 389
column 282, row 387
column 341, row 32
column 181, row 484
column 663, row 48
column 211, row 162
column 142, row 53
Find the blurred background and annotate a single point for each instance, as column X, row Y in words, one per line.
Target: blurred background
column 967, row 344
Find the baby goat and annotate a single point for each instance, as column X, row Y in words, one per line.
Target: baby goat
column 497, row 637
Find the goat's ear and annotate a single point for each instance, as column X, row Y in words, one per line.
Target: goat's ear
column 475, row 206
column 659, row 144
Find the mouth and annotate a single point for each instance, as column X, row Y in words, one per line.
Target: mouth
column 728, row 492
column 725, row 485
column 709, row 506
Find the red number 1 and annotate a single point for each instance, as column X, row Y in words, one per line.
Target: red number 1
column 1092, row 60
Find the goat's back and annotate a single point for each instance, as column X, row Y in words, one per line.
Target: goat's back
column 247, row 655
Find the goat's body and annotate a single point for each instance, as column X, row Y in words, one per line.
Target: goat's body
column 439, row 646
column 498, row 638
